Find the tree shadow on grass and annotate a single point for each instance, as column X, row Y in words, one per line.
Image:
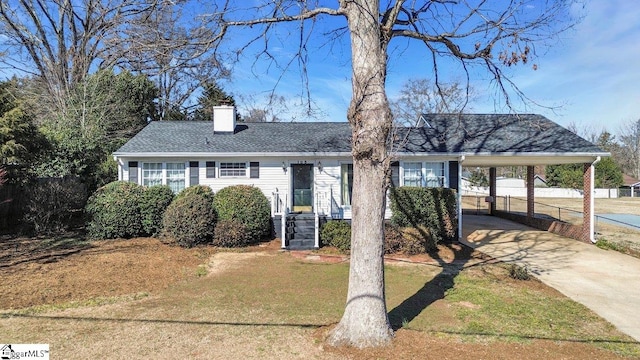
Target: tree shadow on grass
column 433, row 290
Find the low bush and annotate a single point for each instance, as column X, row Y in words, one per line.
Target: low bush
column 518, row 272
column 248, row 206
column 393, row 239
column 55, row 204
column 153, row 203
column 231, row 233
column 336, row 233
column 114, row 211
column 434, row 208
column 190, row 220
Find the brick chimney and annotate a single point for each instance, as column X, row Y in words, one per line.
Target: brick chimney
column 224, row 119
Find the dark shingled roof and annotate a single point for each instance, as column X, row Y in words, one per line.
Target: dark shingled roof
column 442, row 133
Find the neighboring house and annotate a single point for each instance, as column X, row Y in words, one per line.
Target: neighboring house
column 539, row 181
column 306, row 168
column 630, row 186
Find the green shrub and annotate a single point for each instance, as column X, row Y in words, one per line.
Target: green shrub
column 336, row 233
column 201, row 190
column 55, row 204
column 231, row 233
column 248, row 206
column 518, row 272
column 114, row 211
column 190, row 220
column 434, row 208
column 153, row 203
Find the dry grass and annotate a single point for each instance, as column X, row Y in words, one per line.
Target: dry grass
column 269, row 304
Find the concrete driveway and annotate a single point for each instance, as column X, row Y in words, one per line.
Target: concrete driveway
column 607, row 282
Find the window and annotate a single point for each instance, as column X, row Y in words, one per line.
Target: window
column 211, row 169
column 346, row 183
column 233, row 169
column 175, row 176
column 412, row 174
column 434, row 174
column 151, row 174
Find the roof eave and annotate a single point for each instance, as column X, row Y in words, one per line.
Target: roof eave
column 124, row 154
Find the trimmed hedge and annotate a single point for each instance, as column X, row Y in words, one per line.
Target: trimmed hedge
column 201, row 190
column 336, row 233
column 153, row 203
column 433, row 208
column 190, row 220
column 248, row 206
column 114, row 211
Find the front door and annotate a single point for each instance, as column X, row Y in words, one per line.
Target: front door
column 302, row 187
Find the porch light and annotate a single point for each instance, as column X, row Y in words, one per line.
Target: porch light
column 319, row 166
column 284, row 167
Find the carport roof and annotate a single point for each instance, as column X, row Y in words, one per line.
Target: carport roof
column 483, row 140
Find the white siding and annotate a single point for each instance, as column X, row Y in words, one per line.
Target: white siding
column 274, row 179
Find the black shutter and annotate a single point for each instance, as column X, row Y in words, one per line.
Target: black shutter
column 194, row 172
column 453, row 175
column 133, row 171
column 211, row 169
column 395, row 174
column 254, row 170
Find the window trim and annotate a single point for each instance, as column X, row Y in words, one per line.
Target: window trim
column 223, row 175
column 163, row 171
column 443, row 179
column 419, row 172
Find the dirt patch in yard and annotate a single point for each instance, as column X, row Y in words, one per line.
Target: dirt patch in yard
column 32, row 275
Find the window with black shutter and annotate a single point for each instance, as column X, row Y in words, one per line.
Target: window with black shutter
column 395, row 174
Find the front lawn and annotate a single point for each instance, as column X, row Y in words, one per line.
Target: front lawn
column 264, row 303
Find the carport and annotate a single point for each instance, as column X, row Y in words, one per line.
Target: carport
column 520, row 140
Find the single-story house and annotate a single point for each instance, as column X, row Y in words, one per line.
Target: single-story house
column 630, row 185
column 305, row 169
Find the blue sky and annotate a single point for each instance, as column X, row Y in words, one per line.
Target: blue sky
column 590, row 76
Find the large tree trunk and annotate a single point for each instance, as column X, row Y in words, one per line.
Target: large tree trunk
column 365, row 322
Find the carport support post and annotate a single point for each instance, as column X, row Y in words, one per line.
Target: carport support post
column 530, row 192
column 588, row 229
column 492, row 190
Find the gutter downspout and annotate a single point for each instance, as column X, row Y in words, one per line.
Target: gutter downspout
column 462, row 158
column 592, row 214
